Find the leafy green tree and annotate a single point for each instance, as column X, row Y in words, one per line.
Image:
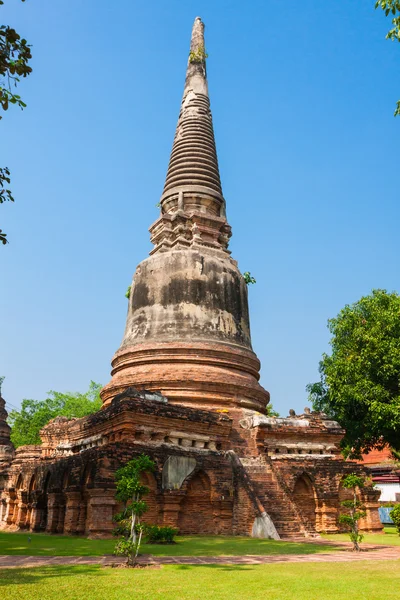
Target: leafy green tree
column 392, row 8
column 131, row 492
column 35, row 414
column 395, row 516
column 360, row 380
column 15, row 54
column 355, row 509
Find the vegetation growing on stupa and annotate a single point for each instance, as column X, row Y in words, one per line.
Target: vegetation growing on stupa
column 198, row 55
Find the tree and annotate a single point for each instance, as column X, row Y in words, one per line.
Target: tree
column 392, row 8
column 15, row 54
column 130, row 491
column 360, row 380
column 35, row 414
column 395, row 516
column 355, row 509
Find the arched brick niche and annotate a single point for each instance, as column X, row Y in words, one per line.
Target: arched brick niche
column 33, row 483
column 151, row 516
column 196, row 514
column 304, row 497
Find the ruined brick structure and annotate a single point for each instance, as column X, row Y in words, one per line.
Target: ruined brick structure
column 6, row 450
column 185, row 389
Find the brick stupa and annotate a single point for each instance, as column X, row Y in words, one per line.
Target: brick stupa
column 185, row 391
column 188, row 332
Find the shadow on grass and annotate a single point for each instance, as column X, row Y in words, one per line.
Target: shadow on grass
column 35, row 575
column 22, row 543
column 38, row 575
column 216, row 567
column 231, row 546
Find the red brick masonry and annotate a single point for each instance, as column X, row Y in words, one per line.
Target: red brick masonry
column 216, row 473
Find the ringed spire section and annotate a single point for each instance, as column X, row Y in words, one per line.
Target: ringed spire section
column 194, row 165
column 192, row 203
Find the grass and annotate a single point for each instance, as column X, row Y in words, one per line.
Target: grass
column 365, row 580
column 57, row 545
column 232, row 546
column 52, row 545
column 391, row 537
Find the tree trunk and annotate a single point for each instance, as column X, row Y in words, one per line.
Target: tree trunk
column 133, row 536
column 138, row 544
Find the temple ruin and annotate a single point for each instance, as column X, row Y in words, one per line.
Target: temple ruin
column 185, row 390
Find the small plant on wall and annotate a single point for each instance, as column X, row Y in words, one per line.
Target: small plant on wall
column 198, row 56
column 131, row 492
column 248, row 277
column 355, row 509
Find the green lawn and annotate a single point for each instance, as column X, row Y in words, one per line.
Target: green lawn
column 52, row 545
column 390, row 537
column 57, row 545
column 367, row 580
column 231, row 546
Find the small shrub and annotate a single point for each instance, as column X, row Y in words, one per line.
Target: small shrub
column 395, row 516
column 355, row 508
column 130, row 491
column 160, row 535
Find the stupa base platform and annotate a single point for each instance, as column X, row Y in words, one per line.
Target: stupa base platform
column 231, row 473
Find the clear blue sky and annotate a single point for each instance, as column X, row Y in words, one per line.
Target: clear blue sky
column 302, row 97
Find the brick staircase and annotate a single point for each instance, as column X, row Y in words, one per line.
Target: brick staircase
column 268, row 491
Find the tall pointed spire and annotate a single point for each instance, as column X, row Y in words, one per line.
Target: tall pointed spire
column 193, row 165
column 187, row 330
column 196, row 77
column 193, row 185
